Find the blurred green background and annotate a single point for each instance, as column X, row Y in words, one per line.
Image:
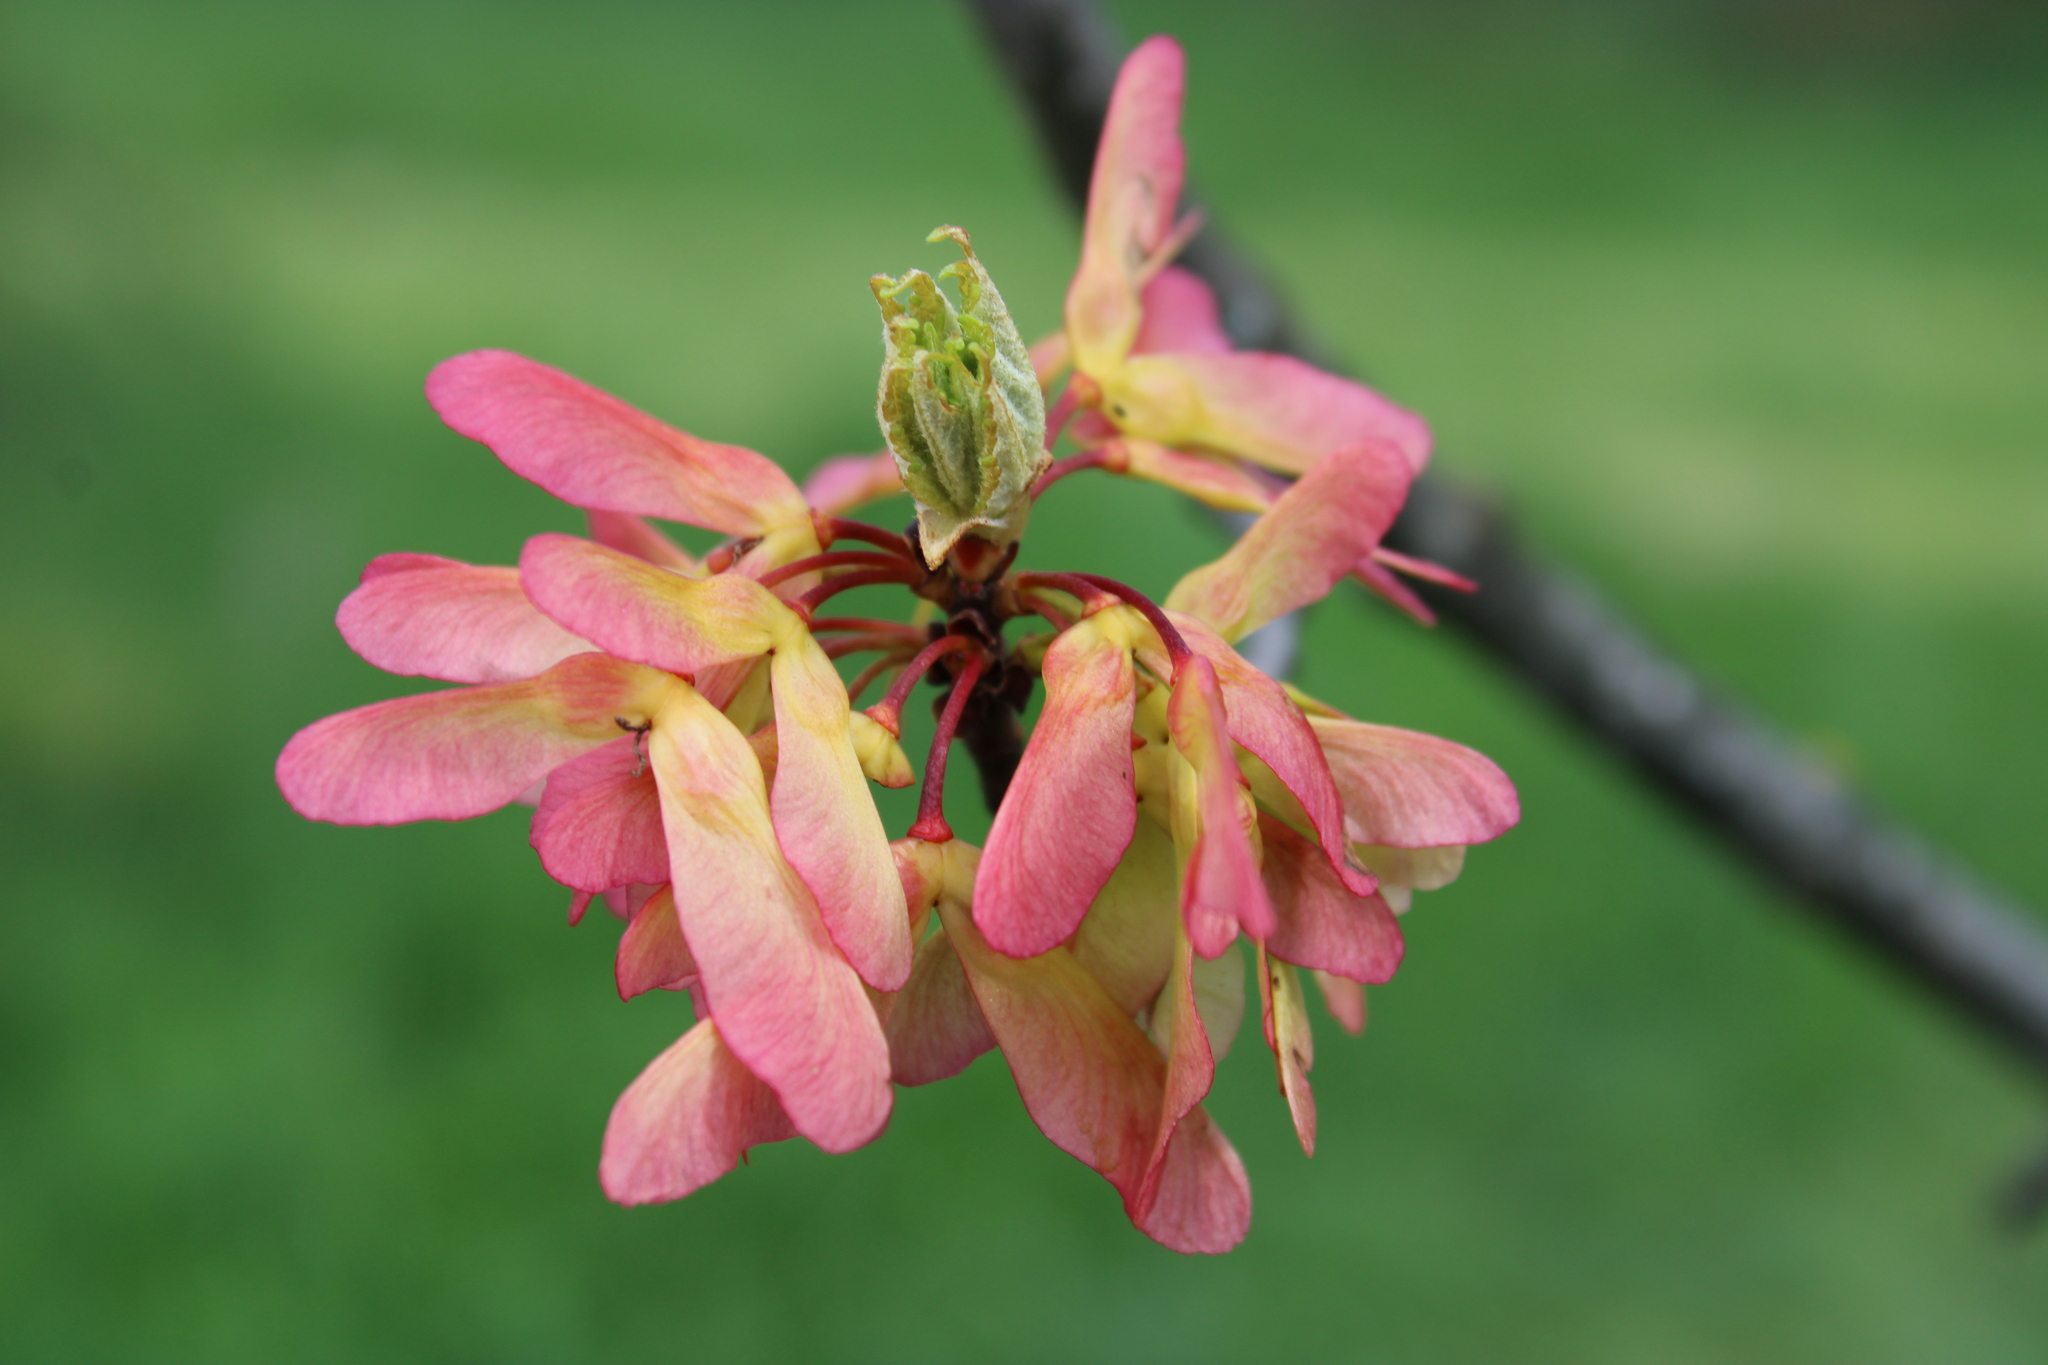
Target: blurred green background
column 1744, row 305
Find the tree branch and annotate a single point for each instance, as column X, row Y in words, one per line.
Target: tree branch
column 1874, row 880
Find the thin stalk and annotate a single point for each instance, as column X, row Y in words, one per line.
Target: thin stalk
column 869, row 625
column 867, row 676
column 905, row 574
column 1071, row 464
column 888, row 712
column 845, row 528
column 831, row 559
column 931, row 824
column 1090, row 586
column 1038, row 606
column 862, row 644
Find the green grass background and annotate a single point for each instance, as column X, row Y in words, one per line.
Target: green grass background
column 1749, row 322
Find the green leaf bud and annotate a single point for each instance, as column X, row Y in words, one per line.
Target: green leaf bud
column 959, row 404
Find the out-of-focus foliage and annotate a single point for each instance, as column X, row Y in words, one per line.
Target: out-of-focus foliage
column 1756, row 332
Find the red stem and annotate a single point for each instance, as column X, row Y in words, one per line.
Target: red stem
column 1176, row 646
column 1072, row 464
column 1032, row 602
column 862, row 644
column 844, row 528
column 1090, row 596
column 873, row 671
column 931, row 826
column 888, row 712
column 871, row 625
column 905, row 574
column 831, row 559
column 1169, row 635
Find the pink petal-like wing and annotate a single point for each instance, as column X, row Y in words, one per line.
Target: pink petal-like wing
column 1202, row 1198
column 598, row 824
column 786, row 1002
column 429, row 617
column 827, row 822
column 652, row 953
column 1180, row 315
column 1314, row 535
column 1322, row 922
column 1132, row 197
column 1283, row 1011
column 934, row 1026
column 1095, row 1085
column 1271, row 409
column 637, row 537
column 686, row 1121
column 1265, row 720
column 650, row 615
column 1387, row 585
column 1195, row 1195
column 1211, row 480
column 1405, row 789
column 1126, row 942
column 1071, row 807
column 1221, row 890
column 589, row 449
column 451, row 755
column 845, row 482
column 1345, row 999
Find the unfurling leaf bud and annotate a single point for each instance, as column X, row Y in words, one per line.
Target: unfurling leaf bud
column 959, row 404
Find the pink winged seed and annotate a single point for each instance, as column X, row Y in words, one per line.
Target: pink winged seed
column 845, row 482
column 1314, row 534
column 1265, row 720
column 1195, row 1195
column 1096, row 1087
column 1322, row 923
column 460, row 753
column 652, row 953
column 1283, row 1015
column 1180, row 315
column 591, row 450
column 1281, row 412
column 786, row 1002
column 598, row 825
column 1132, row 198
column 827, row 822
column 934, row 1026
column 1405, row 789
column 1221, row 891
column 428, row 617
column 648, row 614
column 637, row 537
column 1073, row 804
column 686, row 1121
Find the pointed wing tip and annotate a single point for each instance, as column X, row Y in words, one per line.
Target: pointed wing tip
column 889, row 976
column 1161, row 50
column 452, row 381
column 1014, row 935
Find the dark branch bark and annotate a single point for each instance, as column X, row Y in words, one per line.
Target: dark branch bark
column 1874, row 880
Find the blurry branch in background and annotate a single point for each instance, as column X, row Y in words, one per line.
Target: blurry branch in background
column 1877, row 882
